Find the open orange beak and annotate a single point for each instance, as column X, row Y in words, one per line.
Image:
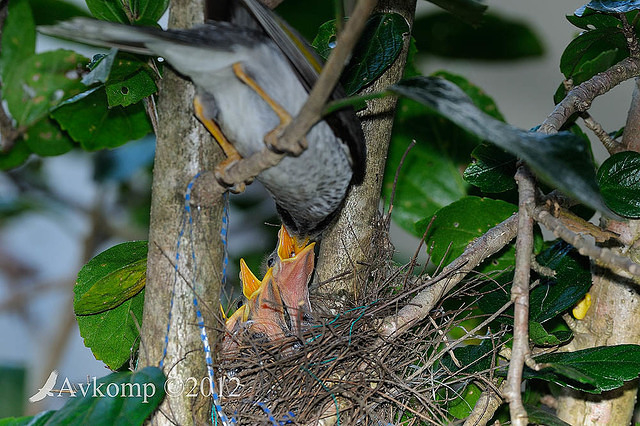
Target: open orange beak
column 292, row 274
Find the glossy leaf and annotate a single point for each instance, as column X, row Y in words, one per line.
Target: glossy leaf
column 480, row 99
column 18, row 37
column 113, row 335
column 469, row 11
column 430, row 177
column 108, row 10
column 48, row 12
column 610, row 6
column 130, row 80
column 583, row 370
column 110, row 278
column 492, row 169
column 496, row 39
column 148, row 11
column 461, row 407
column 117, row 399
column 545, row 154
column 592, row 52
column 541, row 337
column 596, row 20
column 379, row 46
column 45, row 138
column 459, row 223
column 17, row 155
column 540, row 416
column 568, row 287
column 90, row 121
column 619, row 180
column 41, row 82
column 472, row 358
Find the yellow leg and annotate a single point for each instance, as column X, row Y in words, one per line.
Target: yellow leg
column 271, row 138
column 227, row 147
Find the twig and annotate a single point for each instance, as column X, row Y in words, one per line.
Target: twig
column 609, row 143
column 579, row 99
column 520, row 296
column 601, row 255
column 485, row 407
column 477, row 251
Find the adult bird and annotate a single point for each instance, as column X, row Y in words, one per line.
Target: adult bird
column 252, row 74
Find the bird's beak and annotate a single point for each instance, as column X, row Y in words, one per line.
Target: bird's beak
column 292, row 275
column 289, row 246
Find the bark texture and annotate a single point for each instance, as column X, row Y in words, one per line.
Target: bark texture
column 346, row 243
column 183, row 149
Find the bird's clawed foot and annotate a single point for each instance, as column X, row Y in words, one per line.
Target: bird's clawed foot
column 272, row 139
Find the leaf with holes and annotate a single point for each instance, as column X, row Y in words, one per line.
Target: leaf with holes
column 33, row 87
column 90, row 121
column 130, row 80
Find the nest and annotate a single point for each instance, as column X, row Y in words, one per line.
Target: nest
column 339, row 371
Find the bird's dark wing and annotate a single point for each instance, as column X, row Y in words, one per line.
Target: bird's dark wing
column 308, row 65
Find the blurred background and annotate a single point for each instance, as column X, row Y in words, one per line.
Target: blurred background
column 58, row 212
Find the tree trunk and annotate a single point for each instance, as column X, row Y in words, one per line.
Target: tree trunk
column 183, row 149
column 347, row 242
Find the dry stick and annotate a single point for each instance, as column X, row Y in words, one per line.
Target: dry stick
column 311, row 112
column 520, row 296
column 603, row 256
column 609, row 143
column 485, row 407
column 477, row 251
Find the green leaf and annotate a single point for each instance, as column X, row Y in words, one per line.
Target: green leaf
column 568, row 287
column 39, row 419
column 110, row 278
column 619, row 180
column 126, row 398
column 480, row 99
column 430, row 177
column 459, row 223
column 378, row 47
column 610, row 6
column 18, row 37
column 472, row 358
column 108, row 10
column 496, row 39
column 112, row 335
column 541, row 337
column 148, row 11
column 130, row 80
column 492, row 169
column 593, row 370
column 461, row 407
column 545, row 154
column 90, row 121
column 596, row 20
column 41, row 82
column 46, row 139
column 592, row 52
column 48, row 12
column 540, row 416
column 469, row 11
column 17, row 155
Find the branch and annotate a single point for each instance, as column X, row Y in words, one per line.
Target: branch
column 485, row 407
column 601, row 255
column 579, row 99
column 520, row 296
column 476, row 252
column 631, row 135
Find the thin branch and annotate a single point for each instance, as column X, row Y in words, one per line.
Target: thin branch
column 609, row 143
column 601, row 255
column 579, row 99
column 476, row 252
column 520, row 296
column 485, row 407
